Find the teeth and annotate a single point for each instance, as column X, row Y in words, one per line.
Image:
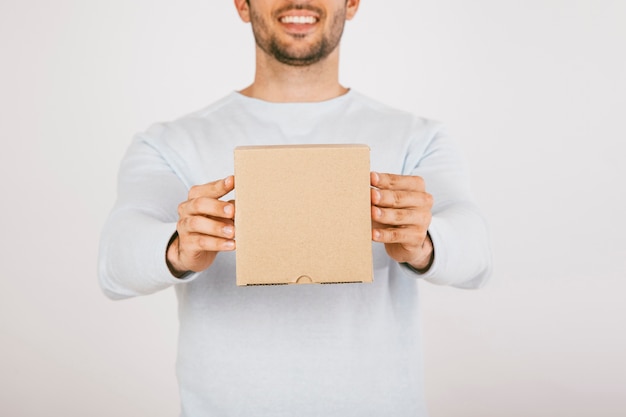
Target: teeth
column 299, row 20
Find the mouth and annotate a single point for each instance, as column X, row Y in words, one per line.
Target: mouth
column 298, row 19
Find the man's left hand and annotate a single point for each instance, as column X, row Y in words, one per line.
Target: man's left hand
column 401, row 215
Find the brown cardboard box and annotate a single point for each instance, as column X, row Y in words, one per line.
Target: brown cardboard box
column 303, row 214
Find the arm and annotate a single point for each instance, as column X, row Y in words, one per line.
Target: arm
column 439, row 236
column 132, row 256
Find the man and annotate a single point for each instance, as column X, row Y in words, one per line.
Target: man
column 313, row 350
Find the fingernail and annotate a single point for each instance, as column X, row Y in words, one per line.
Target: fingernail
column 229, row 244
column 228, row 230
column 228, row 209
column 375, row 177
column 228, row 181
column 376, row 235
column 378, row 212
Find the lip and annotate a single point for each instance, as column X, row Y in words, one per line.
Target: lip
column 298, row 10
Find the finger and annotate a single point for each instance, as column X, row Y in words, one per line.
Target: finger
column 206, row 226
column 206, row 206
column 197, row 243
column 397, row 182
column 407, row 236
column 401, row 199
column 215, row 189
column 401, row 217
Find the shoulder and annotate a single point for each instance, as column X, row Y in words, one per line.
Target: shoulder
column 190, row 126
column 376, row 115
column 384, row 113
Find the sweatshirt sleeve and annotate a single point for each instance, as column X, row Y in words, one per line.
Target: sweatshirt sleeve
column 458, row 230
column 135, row 236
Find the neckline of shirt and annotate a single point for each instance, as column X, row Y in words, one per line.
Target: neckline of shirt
column 264, row 103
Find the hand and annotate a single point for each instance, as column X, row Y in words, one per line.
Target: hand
column 401, row 215
column 205, row 227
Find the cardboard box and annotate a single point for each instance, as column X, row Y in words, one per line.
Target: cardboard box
column 303, row 214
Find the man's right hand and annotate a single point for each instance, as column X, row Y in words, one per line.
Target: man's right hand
column 205, row 227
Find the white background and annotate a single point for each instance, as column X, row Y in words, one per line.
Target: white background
column 534, row 90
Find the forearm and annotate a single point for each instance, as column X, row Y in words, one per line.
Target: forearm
column 461, row 246
column 132, row 255
column 134, row 239
column 459, row 235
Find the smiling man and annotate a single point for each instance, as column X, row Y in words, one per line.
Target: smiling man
column 314, row 350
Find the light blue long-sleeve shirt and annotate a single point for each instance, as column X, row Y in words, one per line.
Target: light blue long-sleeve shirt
column 305, row 350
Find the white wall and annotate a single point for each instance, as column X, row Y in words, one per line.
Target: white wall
column 534, row 90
